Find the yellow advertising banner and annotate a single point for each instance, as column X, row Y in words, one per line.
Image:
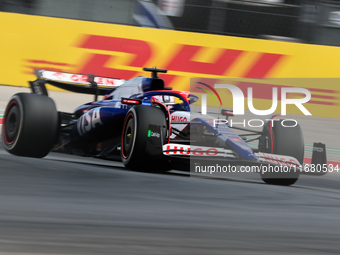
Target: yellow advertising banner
column 108, row 50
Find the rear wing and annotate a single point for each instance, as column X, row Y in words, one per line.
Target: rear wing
column 79, row 83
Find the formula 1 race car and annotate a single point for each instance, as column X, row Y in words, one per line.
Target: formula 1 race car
column 148, row 125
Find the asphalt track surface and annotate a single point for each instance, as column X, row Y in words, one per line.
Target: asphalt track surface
column 65, row 204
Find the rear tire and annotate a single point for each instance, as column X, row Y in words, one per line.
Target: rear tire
column 286, row 141
column 30, row 125
column 134, row 139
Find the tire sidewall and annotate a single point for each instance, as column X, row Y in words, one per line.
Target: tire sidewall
column 38, row 128
column 9, row 147
column 286, row 141
column 138, row 158
column 126, row 159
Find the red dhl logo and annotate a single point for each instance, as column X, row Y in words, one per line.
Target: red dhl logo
column 187, row 151
column 31, row 64
column 180, row 60
column 142, row 51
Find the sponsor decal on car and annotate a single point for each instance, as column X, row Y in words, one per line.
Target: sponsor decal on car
column 153, row 134
column 179, row 118
column 88, row 121
column 278, row 159
column 189, row 150
column 235, row 139
column 318, row 149
column 79, row 78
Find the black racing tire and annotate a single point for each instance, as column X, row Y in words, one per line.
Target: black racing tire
column 134, row 139
column 287, row 141
column 30, row 125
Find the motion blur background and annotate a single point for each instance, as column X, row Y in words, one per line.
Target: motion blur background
column 307, row 21
column 65, row 204
column 214, row 39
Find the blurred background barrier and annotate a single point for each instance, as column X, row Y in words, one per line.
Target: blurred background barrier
column 307, row 21
column 209, row 39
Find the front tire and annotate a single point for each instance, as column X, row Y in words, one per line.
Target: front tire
column 30, row 125
column 134, row 139
column 287, row 141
